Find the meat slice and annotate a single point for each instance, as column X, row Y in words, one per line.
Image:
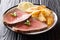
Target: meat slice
column 35, row 25
column 21, row 16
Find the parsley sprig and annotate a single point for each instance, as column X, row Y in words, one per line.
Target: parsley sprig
column 14, row 14
column 27, row 22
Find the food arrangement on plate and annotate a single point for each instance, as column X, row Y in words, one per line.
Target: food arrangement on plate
column 29, row 18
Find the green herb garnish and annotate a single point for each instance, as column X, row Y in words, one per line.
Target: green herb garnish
column 27, row 22
column 14, row 14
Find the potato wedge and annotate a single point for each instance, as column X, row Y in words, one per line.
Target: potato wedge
column 35, row 14
column 50, row 20
column 41, row 17
column 46, row 11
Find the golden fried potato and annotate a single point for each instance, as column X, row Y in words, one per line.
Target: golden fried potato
column 34, row 8
column 46, row 11
column 35, row 14
column 41, row 17
column 50, row 20
column 42, row 13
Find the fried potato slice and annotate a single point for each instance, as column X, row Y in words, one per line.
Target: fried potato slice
column 50, row 20
column 31, row 9
column 36, row 13
column 42, row 13
column 41, row 17
column 46, row 11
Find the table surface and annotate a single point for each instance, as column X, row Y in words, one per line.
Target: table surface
column 53, row 34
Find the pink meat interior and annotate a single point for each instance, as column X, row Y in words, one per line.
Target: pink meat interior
column 21, row 16
column 35, row 25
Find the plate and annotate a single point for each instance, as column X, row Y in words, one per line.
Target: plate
column 39, row 32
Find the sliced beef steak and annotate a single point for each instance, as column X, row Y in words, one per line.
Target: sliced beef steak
column 21, row 16
column 34, row 25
